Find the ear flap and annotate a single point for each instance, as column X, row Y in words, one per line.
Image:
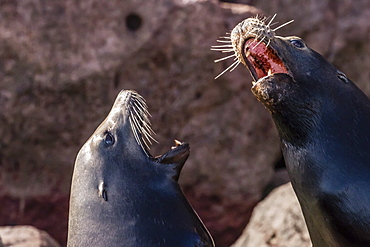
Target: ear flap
column 175, row 158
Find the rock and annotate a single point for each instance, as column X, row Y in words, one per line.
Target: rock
column 63, row 63
column 276, row 221
column 25, row 236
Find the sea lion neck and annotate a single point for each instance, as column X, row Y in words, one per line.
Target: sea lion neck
column 294, row 109
column 297, row 127
column 323, row 122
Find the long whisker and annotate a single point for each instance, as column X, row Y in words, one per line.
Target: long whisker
column 223, row 50
column 139, row 121
column 223, row 41
column 273, row 24
column 259, row 42
column 282, row 25
column 217, row 46
column 224, row 58
column 142, row 105
column 272, row 18
column 236, row 65
column 223, row 72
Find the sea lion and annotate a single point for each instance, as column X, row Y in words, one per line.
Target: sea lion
column 323, row 120
column 123, row 196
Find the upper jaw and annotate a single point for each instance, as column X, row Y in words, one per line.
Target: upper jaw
column 261, row 59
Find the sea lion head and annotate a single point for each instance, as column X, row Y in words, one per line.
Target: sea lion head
column 292, row 81
column 121, row 194
column 125, row 137
column 284, row 60
column 124, row 132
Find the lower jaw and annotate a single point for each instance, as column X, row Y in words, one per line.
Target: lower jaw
column 260, row 80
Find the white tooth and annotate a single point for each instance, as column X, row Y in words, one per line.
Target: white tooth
column 254, row 83
column 248, row 53
column 269, row 72
column 177, row 143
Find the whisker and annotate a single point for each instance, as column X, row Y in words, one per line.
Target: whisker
column 273, row 24
column 272, row 18
column 138, row 115
column 268, row 43
column 223, row 41
column 224, row 58
column 140, row 103
column 236, row 65
column 134, row 130
column 147, row 134
column 282, row 25
column 142, row 106
column 259, row 42
column 223, row 50
column 223, row 72
column 139, row 122
column 217, row 46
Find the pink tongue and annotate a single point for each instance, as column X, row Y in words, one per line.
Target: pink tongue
column 263, row 58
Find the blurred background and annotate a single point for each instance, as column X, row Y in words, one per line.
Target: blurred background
column 62, row 63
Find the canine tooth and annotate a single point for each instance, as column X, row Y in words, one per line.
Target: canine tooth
column 248, row 53
column 254, row 83
column 177, row 143
column 269, row 72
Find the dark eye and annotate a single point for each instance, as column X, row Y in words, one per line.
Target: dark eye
column 297, row 43
column 109, row 139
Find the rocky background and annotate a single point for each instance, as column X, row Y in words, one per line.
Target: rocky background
column 62, row 63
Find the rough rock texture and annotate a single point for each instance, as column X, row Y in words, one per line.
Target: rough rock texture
column 277, row 221
column 25, row 236
column 62, row 63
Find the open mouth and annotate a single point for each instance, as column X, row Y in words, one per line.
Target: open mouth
column 261, row 60
column 178, row 152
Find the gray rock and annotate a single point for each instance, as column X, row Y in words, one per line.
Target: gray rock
column 62, row 64
column 277, row 221
column 25, row 236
